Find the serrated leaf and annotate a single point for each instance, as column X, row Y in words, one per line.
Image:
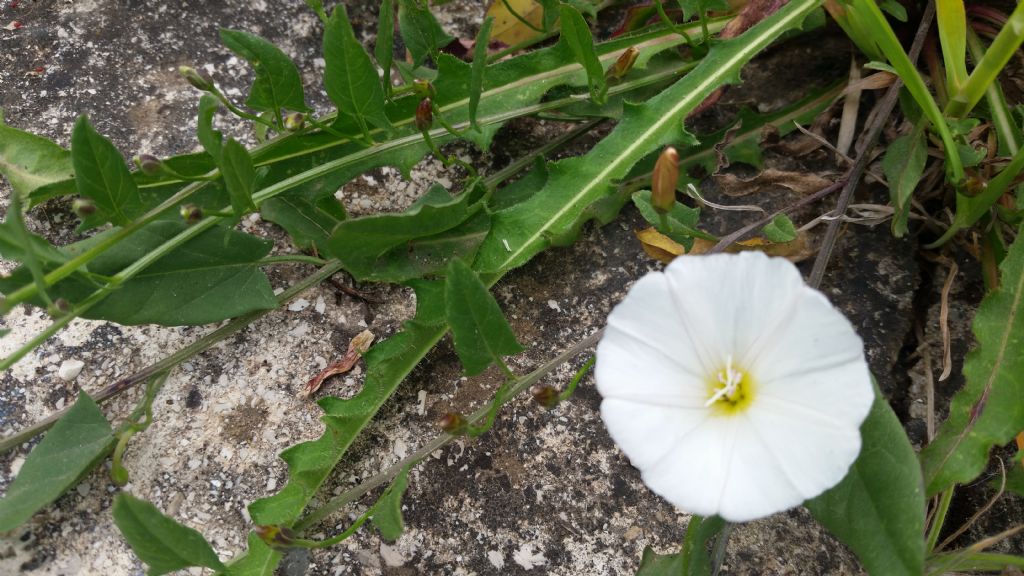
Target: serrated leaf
column 780, row 229
column 903, row 165
column 210, row 139
column 429, row 255
column 73, row 447
column 576, row 35
column 308, row 217
column 31, row 162
column 422, row 34
column 479, row 67
column 692, row 558
column 576, row 183
column 277, row 83
column 350, row 77
column 988, row 411
column 482, row 335
column 360, row 243
column 208, row 279
column 384, row 49
column 239, row 176
column 160, row 541
column 681, row 220
column 387, row 512
column 878, row 509
column 101, row 175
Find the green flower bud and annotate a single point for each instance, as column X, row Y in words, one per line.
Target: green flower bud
column 425, row 115
column 197, row 79
column 59, row 308
column 546, row 396
column 275, row 536
column 149, row 165
column 83, row 207
column 453, row 423
column 191, row 213
column 624, row 64
column 294, row 121
column 664, row 179
column 424, row 88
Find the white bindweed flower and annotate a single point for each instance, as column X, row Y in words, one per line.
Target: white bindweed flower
column 732, row 386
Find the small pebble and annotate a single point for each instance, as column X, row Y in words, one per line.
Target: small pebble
column 298, row 305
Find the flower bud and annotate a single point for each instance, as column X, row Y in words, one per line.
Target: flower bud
column 191, row 213
column 294, row 121
column 119, row 475
column 424, row 88
column 546, row 396
column 83, row 207
column 275, row 536
column 197, row 79
column 149, row 165
column 453, row 423
column 624, row 64
column 664, row 179
column 425, row 114
column 974, row 185
column 59, row 308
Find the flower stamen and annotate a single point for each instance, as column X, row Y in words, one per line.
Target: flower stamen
column 730, row 381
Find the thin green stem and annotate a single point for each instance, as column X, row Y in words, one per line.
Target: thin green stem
column 576, row 378
column 681, row 30
column 292, row 259
column 243, row 114
column 938, row 519
column 965, row 561
column 1005, row 45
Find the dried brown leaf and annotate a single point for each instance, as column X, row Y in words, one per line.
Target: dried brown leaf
column 356, row 348
column 664, row 249
column 799, row 182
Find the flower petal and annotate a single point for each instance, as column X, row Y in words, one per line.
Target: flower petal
column 630, row 369
column 646, row 433
column 648, row 315
column 733, row 300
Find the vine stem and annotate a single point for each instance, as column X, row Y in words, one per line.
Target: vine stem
column 523, row 383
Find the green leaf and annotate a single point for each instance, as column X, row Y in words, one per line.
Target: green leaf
column 422, row 34
column 317, row 6
column 482, row 335
column 277, row 84
column 429, row 255
column 903, row 165
column 878, row 509
column 239, row 176
column 210, row 139
column 30, row 162
column 160, row 541
column 780, row 229
column 476, row 79
column 551, row 13
column 576, row 35
column 692, row 558
column 350, row 77
column 73, row 447
column 1014, row 476
column 387, row 512
column 384, row 49
column 894, row 9
column 308, row 217
column 209, row 278
column 361, row 243
column 525, row 229
column 682, row 220
column 988, row 411
column 17, row 243
column 100, row 174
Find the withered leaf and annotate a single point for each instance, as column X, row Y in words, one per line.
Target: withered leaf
column 356, row 348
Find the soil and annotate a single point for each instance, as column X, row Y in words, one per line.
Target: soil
column 544, row 492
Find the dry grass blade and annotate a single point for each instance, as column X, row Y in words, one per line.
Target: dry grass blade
column 947, row 355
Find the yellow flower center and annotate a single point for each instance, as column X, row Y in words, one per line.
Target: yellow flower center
column 730, row 391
